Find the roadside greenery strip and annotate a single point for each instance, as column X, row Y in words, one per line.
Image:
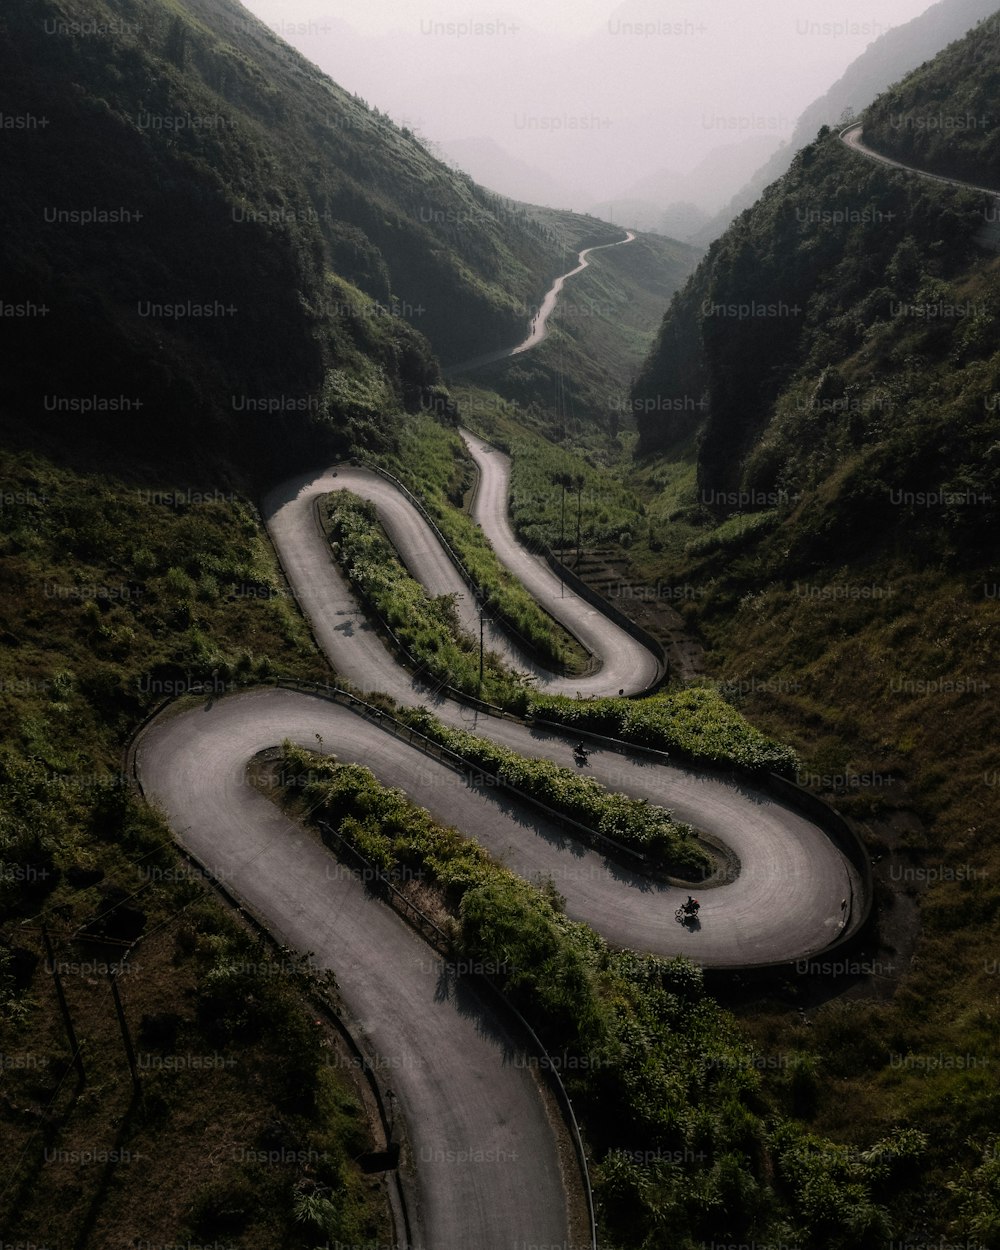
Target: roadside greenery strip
column 507, row 600
column 494, row 599
column 683, row 1132
column 434, row 464
column 696, row 723
column 427, row 628
column 635, row 823
column 553, row 491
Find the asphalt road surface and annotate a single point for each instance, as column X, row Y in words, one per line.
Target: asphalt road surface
column 470, row 1106
column 625, row 663
column 487, row 1162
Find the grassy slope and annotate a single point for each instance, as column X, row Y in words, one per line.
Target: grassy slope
column 576, row 381
column 111, row 602
column 855, row 617
column 913, row 766
column 432, row 461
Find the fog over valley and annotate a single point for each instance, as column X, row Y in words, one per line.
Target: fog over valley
column 592, row 106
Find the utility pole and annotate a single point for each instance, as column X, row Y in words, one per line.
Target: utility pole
column 559, row 479
column 562, row 533
column 126, row 1036
column 579, row 482
column 64, row 1007
column 480, row 651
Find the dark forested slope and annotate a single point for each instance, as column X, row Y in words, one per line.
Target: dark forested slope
column 210, row 248
column 840, row 338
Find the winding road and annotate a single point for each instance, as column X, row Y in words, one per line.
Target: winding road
column 488, row 1168
column 988, row 236
column 626, row 665
column 540, row 321
column 853, row 136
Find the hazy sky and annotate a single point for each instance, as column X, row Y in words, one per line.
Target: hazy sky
column 580, row 17
column 583, row 100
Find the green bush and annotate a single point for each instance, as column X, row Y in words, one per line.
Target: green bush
column 695, row 723
column 634, row 823
column 426, row 628
column 434, row 463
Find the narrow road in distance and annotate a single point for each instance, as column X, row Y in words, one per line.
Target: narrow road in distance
column 540, row 321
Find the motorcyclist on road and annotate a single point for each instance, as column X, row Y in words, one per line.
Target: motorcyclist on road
column 691, row 906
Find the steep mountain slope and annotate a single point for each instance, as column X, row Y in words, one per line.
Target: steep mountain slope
column 888, row 58
column 842, row 273
column 821, row 430
column 944, row 117
column 215, row 266
column 179, row 187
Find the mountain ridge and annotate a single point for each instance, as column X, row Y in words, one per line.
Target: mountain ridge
column 892, row 55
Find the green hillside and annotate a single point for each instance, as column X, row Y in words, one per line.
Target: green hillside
column 831, row 278
column 819, row 460
column 186, row 187
column 945, row 116
column 894, row 54
column 575, row 383
column 218, row 266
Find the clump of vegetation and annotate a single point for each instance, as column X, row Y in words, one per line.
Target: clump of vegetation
column 427, row 628
column 635, row 823
column 695, row 723
column 562, row 500
column 433, row 462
